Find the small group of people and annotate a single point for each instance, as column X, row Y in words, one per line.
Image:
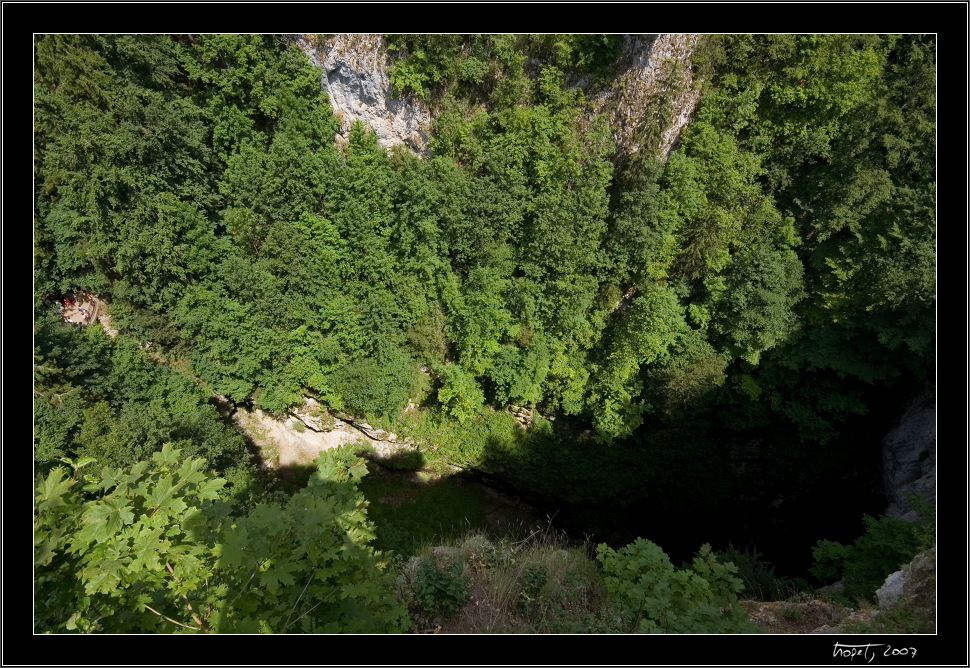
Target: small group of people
column 70, row 311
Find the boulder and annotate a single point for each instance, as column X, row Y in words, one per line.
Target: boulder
column 314, row 416
column 914, row 586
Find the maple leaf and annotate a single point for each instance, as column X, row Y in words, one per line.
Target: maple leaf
column 51, row 489
column 232, row 553
column 191, row 471
column 279, row 573
column 209, row 489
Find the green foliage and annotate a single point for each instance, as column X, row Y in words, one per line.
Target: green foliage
column 154, row 552
column 459, row 394
column 585, row 54
column 830, row 557
column 758, row 576
column 534, row 578
column 428, row 65
column 641, row 242
column 845, row 124
column 712, row 189
column 649, row 327
column 440, row 590
column 376, row 385
column 687, row 378
column 230, row 347
column 119, row 405
column 651, row 596
column 68, row 65
column 517, row 375
column 251, row 85
column 756, row 310
column 431, row 59
column 164, row 245
column 888, row 544
column 778, row 265
column 427, row 336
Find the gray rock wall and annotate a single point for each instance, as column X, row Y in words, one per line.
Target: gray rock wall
column 909, row 458
column 914, row 585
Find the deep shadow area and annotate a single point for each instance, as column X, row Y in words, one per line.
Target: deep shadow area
column 683, row 486
column 415, row 508
column 677, row 485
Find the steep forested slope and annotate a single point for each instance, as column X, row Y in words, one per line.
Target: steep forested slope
column 774, row 278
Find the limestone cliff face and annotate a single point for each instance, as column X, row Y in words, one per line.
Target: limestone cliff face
column 305, row 431
column 656, row 89
column 652, row 99
column 909, row 458
column 355, row 77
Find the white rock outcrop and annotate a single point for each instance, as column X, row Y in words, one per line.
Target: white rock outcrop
column 304, row 432
column 355, row 76
column 659, row 81
column 287, row 442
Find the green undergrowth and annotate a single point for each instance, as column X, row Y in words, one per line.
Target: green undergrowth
column 759, row 578
column 564, row 462
column 410, row 512
column 537, row 583
column 888, row 544
column 543, row 583
column 905, row 618
column 447, row 443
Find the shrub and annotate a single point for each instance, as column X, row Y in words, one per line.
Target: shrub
column 479, row 552
column 459, row 394
column 887, row 544
column 534, row 578
column 651, row 596
column 760, row 581
column 376, row 385
column 440, row 591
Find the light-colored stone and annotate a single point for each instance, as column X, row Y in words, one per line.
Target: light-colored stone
column 832, row 588
column 355, row 76
column 888, row 594
column 659, row 69
column 281, row 442
column 914, row 584
column 313, row 415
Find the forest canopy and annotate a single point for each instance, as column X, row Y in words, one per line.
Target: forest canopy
column 778, row 267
